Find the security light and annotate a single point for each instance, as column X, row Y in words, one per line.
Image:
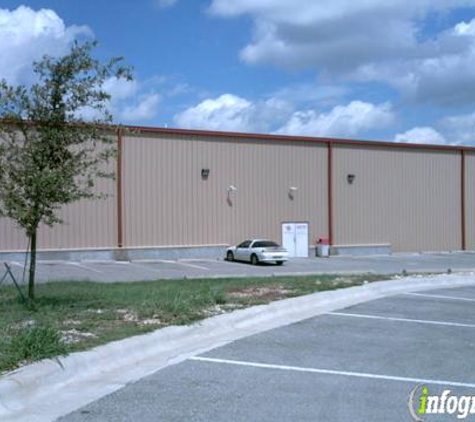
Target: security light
column 292, row 191
column 204, row 174
column 231, row 191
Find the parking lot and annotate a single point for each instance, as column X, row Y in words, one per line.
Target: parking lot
column 355, row 364
column 111, row 271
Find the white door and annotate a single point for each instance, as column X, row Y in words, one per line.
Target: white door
column 301, row 240
column 295, row 239
column 288, row 238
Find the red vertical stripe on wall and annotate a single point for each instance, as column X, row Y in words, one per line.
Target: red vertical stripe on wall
column 464, row 240
column 120, row 242
column 330, row 192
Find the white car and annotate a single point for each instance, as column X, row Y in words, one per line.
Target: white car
column 258, row 250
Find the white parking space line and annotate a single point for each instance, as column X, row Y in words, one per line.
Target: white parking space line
column 199, row 260
column 144, row 267
column 184, row 263
column 440, row 297
column 170, row 261
column 16, row 264
column 334, row 372
column 199, row 267
column 416, row 321
column 76, row 264
column 19, row 264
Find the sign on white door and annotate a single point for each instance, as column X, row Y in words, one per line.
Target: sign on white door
column 295, row 239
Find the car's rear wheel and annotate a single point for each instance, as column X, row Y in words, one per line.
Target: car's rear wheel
column 254, row 259
column 279, row 262
column 230, row 256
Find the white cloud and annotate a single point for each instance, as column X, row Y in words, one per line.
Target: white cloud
column 120, row 89
column 341, row 121
column 287, row 31
column 421, row 135
column 460, row 129
column 232, row 113
column 310, row 11
column 133, row 101
column 130, row 102
column 369, row 40
column 179, row 89
column 143, row 109
column 312, row 93
column 438, row 74
column 26, row 35
column 452, row 130
column 464, row 28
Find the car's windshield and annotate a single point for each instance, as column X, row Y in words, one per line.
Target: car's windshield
column 265, row 244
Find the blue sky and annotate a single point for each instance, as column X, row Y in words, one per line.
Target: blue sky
column 394, row 70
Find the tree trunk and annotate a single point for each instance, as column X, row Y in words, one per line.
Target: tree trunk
column 31, row 281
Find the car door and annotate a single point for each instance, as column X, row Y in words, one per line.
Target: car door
column 247, row 251
column 242, row 251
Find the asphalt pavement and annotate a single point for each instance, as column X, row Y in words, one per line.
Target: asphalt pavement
column 356, row 364
column 112, row 271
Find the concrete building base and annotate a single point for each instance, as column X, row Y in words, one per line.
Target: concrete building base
column 382, row 249
column 122, row 254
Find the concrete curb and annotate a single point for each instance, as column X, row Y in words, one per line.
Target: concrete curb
column 48, row 389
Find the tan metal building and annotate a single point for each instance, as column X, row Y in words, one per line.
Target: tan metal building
column 181, row 189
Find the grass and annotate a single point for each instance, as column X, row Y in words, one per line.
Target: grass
column 72, row 316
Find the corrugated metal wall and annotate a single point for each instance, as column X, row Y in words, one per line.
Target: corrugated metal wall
column 470, row 199
column 408, row 198
column 88, row 224
column 166, row 201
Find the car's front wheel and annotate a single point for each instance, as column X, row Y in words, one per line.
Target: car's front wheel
column 279, row 262
column 230, row 256
column 254, row 259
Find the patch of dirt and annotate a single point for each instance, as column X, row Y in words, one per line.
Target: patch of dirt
column 95, row 311
column 72, row 322
column 75, row 336
column 131, row 316
column 220, row 309
column 343, row 280
column 150, row 321
column 25, row 324
column 272, row 292
column 127, row 315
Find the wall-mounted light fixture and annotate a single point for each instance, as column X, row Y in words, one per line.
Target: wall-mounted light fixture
column 292, row 191
column 204, row 174
column 350, row 178
column 231, row 192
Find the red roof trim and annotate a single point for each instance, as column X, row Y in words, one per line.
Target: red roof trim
column 333, row 141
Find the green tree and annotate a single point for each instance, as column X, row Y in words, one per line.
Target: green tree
column 51, row 153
